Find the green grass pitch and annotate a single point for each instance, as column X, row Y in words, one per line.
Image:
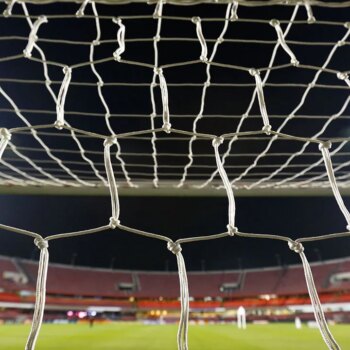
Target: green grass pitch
column 134, row 336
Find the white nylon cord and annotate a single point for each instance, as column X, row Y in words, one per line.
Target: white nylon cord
column 276, row 24
column 231, row 200
column 61, row 98
column 33, row 37
column 344, row 77
column 81, row 10
column 182, row 334
column 158, row 11
column 54, row 180
column 324, row 148
column 165, row 100
column 8, row 11
column 42, row 55
column 259, row 87
column 234, row 8
column 40, row 293
column 121, row 39
column 327, row 336
column 5, row 138
column 204, row 54
column 290, row 117
column 57, row 181
column 100, row 84
column 114, row 220
column 310, row 15
column 206, row 85
column 246, row 114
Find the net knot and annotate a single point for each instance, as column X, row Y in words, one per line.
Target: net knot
column 8, row 11
column 217, row 141
column 167, row 127
column 297, row 247
column 196, row 20
column 274, row 22
column 159, row 9
column 109, row 141
column 348, row 227
column 66, row 70
column 267, row 129
column 294, row 62
column 59, row 124
column 234, row 8
column 41, row 243
column 232, row 230
column 113, row 222
column 81, row 11
column 33, row 37
column 5, row 134
column 157, row 70
column 325, row 145
column 254, row 72
column 174, row 247
column 342, row 76
column 117, row 20
column 311, row 19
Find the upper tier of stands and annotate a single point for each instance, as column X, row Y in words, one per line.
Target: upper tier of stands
column 65, row 280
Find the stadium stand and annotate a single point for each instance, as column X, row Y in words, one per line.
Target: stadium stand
column 12, row 277
column 68, row 280
column 262, row 281
column 77, row 287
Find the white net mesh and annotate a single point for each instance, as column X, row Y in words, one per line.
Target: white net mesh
column 167, row 85
column 124, row 74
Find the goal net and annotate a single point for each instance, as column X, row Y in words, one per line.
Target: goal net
column 149, row 98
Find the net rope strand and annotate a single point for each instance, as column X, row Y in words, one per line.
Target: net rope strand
column 229, row 192
column 40, row 293
column 100, row 83
column 327, row 336
column 206, row 85
column 111, row 181
column 290, row 117
column 246, row 113
column 158, row 13
column 295, row 246
column 26, row 177
column 59, row 106
column 324, row 148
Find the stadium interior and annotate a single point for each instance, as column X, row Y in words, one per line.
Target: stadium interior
column 75, row 294
column 157, row 160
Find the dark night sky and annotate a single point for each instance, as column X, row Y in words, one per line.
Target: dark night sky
column 176, row 217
